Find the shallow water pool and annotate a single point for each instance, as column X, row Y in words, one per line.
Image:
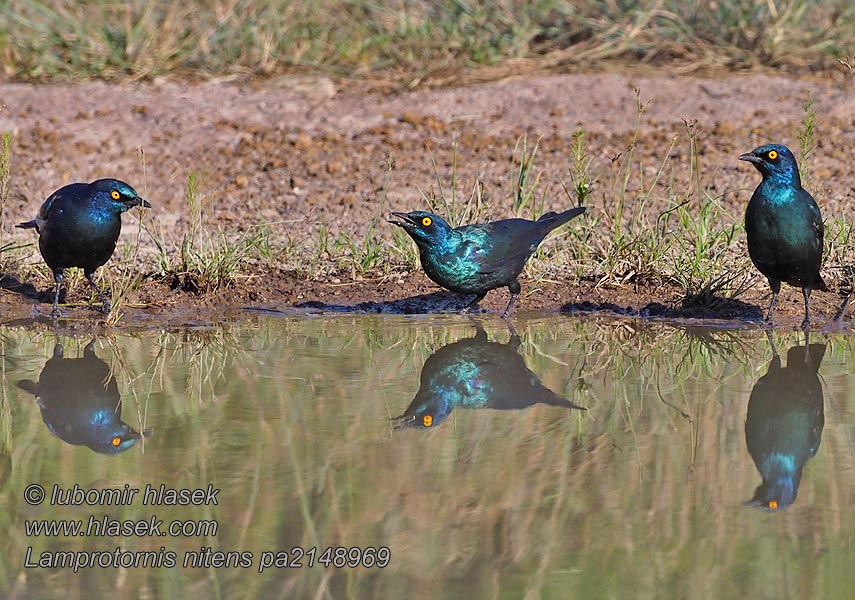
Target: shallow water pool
column 291, row 457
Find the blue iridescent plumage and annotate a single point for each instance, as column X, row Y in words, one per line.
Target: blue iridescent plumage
column 476, row 373
column 784, row 425
column 79, row 225
column 80, row 402
column 784, row 226
column 475, row 259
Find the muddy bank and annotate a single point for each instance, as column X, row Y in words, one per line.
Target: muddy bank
column 305, row 155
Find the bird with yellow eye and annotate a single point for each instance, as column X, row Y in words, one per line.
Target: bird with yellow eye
column 475, row 259
column 475, row 373
column 783, row 427
column 80, row 402
column 784, row 226
column 79, row 225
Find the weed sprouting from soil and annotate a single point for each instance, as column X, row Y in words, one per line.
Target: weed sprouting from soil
column 837, row 253
column 6, row 248
column 807, row 138
column 206, row 260
column 445, row 200
column 580, row 170
column 526, row 181
column 5, row 176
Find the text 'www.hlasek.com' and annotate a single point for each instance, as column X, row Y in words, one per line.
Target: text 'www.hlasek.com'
column 101, row 525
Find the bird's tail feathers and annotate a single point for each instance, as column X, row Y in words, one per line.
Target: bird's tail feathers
column 28, row 225
column 29, row 386
column 553, row 399
column 799, row 356
column 558, row 219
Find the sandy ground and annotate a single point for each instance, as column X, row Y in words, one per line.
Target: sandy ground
column 300, row 152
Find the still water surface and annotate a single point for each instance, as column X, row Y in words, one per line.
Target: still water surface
column 567, row 459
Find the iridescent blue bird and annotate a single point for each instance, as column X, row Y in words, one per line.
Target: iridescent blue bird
column 79, row 225
column 475, row 259
column 475, row 373
column 784, row 426
column 784, row 226
column 80, row 402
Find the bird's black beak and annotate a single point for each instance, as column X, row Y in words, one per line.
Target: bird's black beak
column 402, row 220
column 404, row 421
column 139, row 202
column 751, row 157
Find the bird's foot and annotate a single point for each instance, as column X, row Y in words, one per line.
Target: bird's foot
column 55, row 313
column 104, row 308
column 805, row 324
column 469, row 309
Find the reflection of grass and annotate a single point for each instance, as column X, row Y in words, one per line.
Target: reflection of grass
column 289, row 418
column 411, row 41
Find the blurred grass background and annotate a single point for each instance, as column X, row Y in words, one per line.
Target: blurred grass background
column 409, row 41
column 640, row 496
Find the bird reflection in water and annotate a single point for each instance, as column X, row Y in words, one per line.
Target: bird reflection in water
column 784, row 424
column 475, row 373
column 80, row 402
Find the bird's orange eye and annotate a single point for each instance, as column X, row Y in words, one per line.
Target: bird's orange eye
column 116, row 441
column 427, row 420
column 115, row 195
column 773, row 504
column 426, row 222
column 772, row 155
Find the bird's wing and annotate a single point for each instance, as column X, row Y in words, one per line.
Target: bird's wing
column 515, row 387
column 72, row 193
column 45, row 210
column 502, row 244
column 813, row 209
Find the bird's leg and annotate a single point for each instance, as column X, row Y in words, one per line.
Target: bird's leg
column 806, row 322
column 514, row 288
column 776, row 287
column 105, row 308
column 772, row 343
column 807, row 346
column 842, row 312
column 478, row 298
column 515, row 342
column 57, row 277
column 776, row 358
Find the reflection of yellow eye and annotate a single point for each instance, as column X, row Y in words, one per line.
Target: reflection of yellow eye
column 115, row 195
column 774, row 503
column 117, row 441
column 428, row 420
column 772, row 155
column 426, row 222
